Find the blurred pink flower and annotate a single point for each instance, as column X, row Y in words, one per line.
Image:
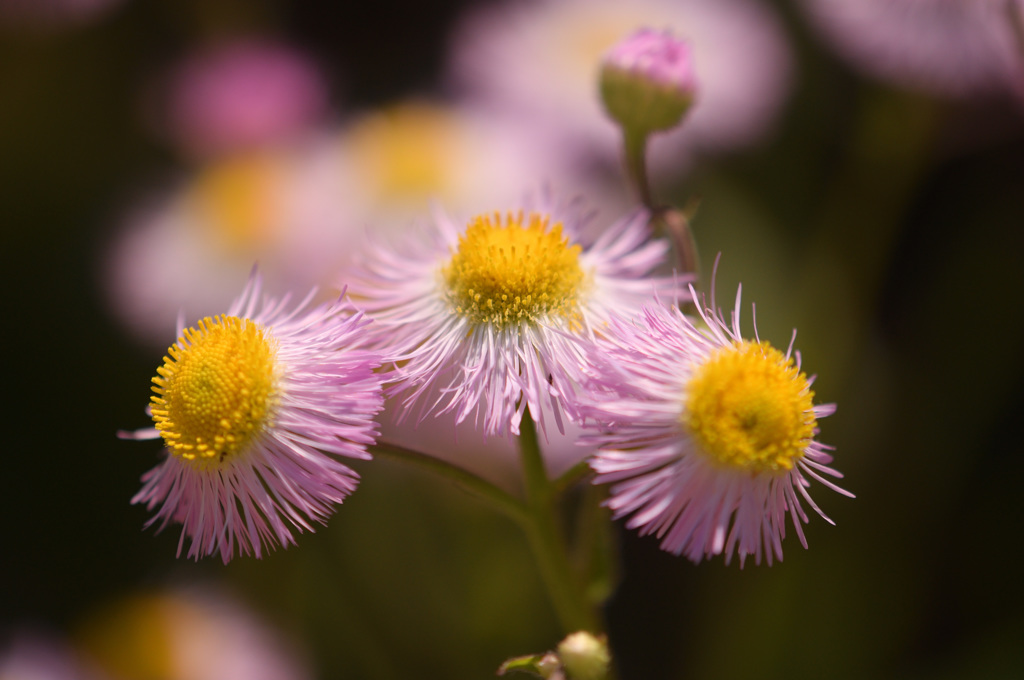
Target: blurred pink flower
column 196, row 633
column 540, row 60
column 235, row 96
column 186, row 249
column 952, row 47
column 402, row 159
column 52, row 14
column 29, row 655
column 300, row 209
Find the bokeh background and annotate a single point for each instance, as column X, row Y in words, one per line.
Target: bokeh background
column 881, row 215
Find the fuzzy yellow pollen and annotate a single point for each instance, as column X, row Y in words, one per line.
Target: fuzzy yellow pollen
column 215, row 390
column 750, row 408
column 512, row 272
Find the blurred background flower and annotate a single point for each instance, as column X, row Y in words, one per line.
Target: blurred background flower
column 236, row 95
column 184, row 249
column 879, row 219
column 31, row 655
column 535, row 60
column 194, row 632
column 44, row 16
column 952, row 47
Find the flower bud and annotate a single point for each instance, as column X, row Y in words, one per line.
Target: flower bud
column 585, row 656
column 648, row 82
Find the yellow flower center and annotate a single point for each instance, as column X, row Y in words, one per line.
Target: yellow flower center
column 215, row 390
column 751, row 408
column 239, row 201
column 405, row 152
column 514, row 272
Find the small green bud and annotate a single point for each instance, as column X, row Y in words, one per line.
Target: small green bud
column 648, row 82
column 585, row 656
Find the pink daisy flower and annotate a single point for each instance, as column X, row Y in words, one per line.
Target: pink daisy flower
column 485, row 316
column 255, row 407
column 707, row 438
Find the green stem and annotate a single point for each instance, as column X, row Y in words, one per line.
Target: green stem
column 596, row 549
column 478, row 486
column 636, row 166
column 676, row 223
column 570, row 477
column 546, row 539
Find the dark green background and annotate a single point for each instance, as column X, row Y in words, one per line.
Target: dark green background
column 886, row 226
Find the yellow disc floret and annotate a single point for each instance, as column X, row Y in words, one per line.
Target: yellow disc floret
column 215, row 390
column 516, row 271
column 749, row 407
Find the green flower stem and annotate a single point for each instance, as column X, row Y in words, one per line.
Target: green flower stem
column 570, row 477
column 676, row 223
column 478, row 486
column 671, row 221
column 636, row 166
column 596, row 553
column 547, row 541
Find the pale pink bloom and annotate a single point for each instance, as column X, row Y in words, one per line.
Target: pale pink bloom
column 299, row 209
column 201, row 632
column 455, row 360
column 540, row 61
column 703, row 499
column 30, row 655
column 657, row 57
column 401, row 159
column 260, row 457
column 953, row 47
column 647, row 83
column 238, row 95
column 187, row 247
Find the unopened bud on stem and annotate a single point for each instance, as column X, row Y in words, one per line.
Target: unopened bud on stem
column 648, row 82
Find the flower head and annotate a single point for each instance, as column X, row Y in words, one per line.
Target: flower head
column 708, row 438
column 254, row 407
column 485, row 317
column 648, row 81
